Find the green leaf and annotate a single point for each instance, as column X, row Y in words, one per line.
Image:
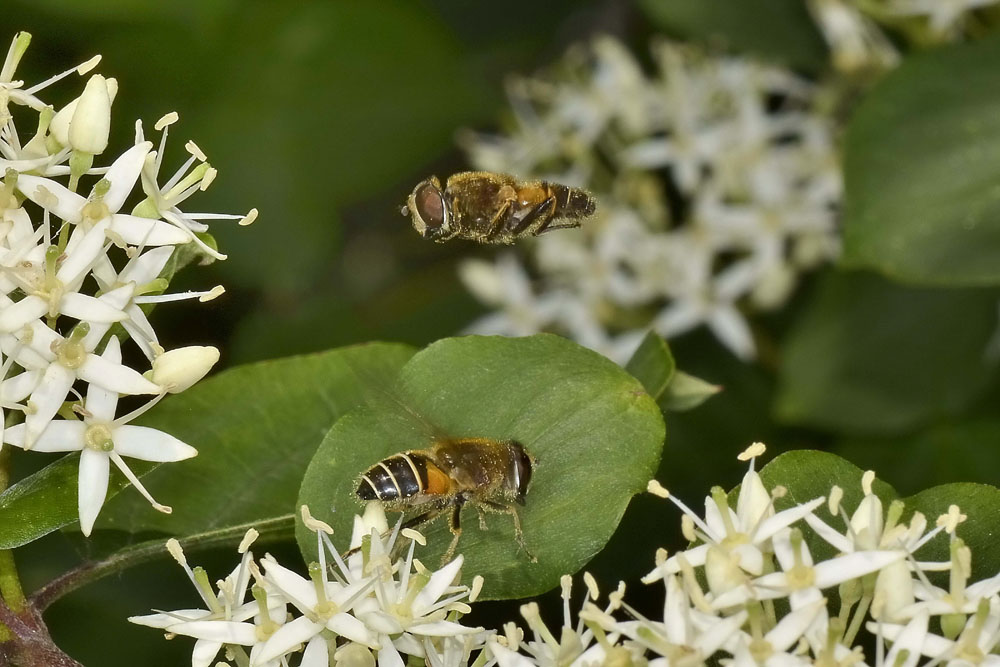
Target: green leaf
column 653, row 365
column 686, row 392
column 922, row 170
column 780, row 30
column 868, row 356
column 981, row 504
column 965, row 451
column 44, row 501
column 255, row 427
column 596, row 435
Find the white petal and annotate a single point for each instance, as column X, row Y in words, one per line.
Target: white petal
column 437, row 585
column 19, row 387
column 793, row 625
column 316, row 654
column 841, row 569
column 441, row 629
column 100, row 402
column 785, row 518
column 123, row 174
column 204, row 652
column 350, row 627
column 146, row 231
column 83, row 254
column 47, row 398
column 831, row 536
column 67, row 204
column 148, row 444
column 227, row 632
column 90, row 309
column 732, row 330
column 165, row 620
column 146, row 266
column 93, row 486
column 388, row 656
column 59, row 436
column 115, row 377
column 911, row 639
column 508, row 658
column 287, row 637
column 299, row 591
column 15, row 316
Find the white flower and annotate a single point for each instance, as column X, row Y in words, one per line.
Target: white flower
column 102, row 440
column 91, row 122
column 63, row 361
column 946, row 18
column 224, row 620
column 52, row 291
column 742, row 538
column 104, row 202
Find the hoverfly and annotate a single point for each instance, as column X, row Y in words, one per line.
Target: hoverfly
column 494, row 208
column 490, row 474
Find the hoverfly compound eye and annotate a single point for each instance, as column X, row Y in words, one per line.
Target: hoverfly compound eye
column 430, row 215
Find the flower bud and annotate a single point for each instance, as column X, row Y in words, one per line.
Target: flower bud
column 91, row 123
column 178, row 369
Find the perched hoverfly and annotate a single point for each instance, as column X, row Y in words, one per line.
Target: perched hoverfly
column 490, row 474
column 494, row 208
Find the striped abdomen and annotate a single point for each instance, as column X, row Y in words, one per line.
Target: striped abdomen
column 395, row 478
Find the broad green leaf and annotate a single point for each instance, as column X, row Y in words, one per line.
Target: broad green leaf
column 653, row 365
column 596, row 435
column 780, row 30
column 255, row 427
column 44, row 501
column 965, row 451
column 981, row 505
column 922, row 170
column 868, row 356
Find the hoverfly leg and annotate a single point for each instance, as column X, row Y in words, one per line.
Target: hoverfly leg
column 551, row 225
column 498, row 221
column 542, row 212
column 518, row 533
column 482, row 518
column 455, row 526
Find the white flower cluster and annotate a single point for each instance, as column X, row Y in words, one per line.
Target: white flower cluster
column 855, row 30
column 717, row 180
column 373, row 605
column 76, row 273
column 748, row 592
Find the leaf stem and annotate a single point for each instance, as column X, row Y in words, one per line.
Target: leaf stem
column 271, row 530
column 10, row 585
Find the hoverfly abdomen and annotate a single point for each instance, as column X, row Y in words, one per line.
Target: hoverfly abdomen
column 396, row 478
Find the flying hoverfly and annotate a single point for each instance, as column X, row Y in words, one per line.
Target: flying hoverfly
column 490, row 474
column 494, row 208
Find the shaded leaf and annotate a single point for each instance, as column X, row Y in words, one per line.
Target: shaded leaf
column 686, row 392
column 981, row 504
column 780, row 30
column 922, row 170
column 595, row 433
column 868, row 356
column 44, row 501
column 652, row 364
column 256, row 427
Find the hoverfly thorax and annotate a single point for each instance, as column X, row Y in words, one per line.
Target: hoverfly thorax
column 428, row 209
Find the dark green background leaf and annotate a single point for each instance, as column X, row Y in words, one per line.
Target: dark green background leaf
column 922, row 170
column 595, row 432
column 870, row 356
column 256, row 427
column 44, row 501
column 780, row 30
column 961, row 451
